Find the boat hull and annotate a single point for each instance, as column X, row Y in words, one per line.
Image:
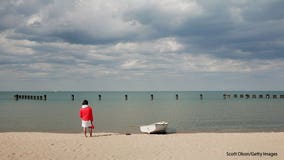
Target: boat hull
column 159, row 127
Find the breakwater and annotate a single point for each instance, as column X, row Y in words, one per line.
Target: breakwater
column 253, row 96
column 30, row 97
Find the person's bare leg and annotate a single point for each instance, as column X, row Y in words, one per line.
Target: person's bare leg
column 85, row 131
column 91, row 132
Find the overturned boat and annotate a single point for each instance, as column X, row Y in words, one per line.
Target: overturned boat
column 158, row 127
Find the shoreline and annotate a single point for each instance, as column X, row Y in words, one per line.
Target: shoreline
column 167, row 133
column 215, row 146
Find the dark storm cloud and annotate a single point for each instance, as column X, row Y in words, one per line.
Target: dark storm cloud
column 252, row 27
column 83, row 37
column 264, row 10
column 14, row 12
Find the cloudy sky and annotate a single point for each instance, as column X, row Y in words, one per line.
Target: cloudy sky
column 141, row 45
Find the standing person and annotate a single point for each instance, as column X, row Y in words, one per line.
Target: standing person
column 86, row 115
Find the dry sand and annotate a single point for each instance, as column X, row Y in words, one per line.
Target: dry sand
column 194, row 146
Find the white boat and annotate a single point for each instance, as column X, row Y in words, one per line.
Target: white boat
column 158, row 127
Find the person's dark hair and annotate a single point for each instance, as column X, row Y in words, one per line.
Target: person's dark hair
column 85, row 102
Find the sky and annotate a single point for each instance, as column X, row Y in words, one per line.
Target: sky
column 134, row 45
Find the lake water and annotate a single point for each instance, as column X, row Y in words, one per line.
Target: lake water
column 188, row 113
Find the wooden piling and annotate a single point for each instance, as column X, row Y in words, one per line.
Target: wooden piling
column 247, row 96
column 100, row 97
column 152, row 97
column 16, row 97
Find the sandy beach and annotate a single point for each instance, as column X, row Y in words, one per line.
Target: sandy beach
column 197, row 146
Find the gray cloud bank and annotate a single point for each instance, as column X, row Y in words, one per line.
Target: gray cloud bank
column 141, row 45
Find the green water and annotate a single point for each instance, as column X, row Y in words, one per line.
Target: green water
column 113, row 113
